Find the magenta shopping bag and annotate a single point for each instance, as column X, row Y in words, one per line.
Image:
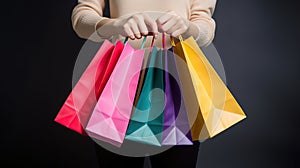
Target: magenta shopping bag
column 110, row 117
column 77, row 108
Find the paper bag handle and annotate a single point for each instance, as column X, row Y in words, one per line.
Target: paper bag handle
column 173, row 41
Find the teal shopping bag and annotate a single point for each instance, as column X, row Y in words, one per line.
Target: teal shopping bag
column 146, row 122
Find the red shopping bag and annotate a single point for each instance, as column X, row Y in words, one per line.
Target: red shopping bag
column 79, row 105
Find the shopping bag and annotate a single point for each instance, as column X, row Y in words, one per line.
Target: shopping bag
column 146, row 122
column 218, row 109
column 142, row 74
column 142, row 77
column 176, row 128
column 78, row 106
column 110, row 117
column 116, row 53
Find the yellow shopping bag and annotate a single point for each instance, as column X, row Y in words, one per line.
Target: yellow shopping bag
column 212, row 107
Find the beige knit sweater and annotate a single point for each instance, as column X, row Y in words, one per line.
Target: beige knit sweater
column 87, row 13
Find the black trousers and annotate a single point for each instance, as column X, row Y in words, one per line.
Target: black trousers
column 176, row 157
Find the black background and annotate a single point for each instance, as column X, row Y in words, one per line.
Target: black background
column 258, row 41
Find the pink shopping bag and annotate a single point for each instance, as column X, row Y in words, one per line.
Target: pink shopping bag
column 112, row 112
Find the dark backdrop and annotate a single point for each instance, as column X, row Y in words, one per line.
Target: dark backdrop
column 258, row 41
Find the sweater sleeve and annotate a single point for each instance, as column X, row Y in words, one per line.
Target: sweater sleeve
column 201, row 16
column 85, row 16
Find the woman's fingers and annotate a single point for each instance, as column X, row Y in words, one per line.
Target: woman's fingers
column 139, row 25
column 178, row 32
column 128, row 31
column 134, row 28
column 164, row 18
column 142, row 24
column 179, row 28
column 173, row 28
column 166, row 21
column 172, row 24
column 151, row 24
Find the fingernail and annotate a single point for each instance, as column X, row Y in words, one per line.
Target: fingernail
column 144, row 33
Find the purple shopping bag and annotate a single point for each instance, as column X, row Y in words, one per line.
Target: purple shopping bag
column 176, row 128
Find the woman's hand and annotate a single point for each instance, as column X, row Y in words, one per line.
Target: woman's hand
column 135, row 26
column 172, row 24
